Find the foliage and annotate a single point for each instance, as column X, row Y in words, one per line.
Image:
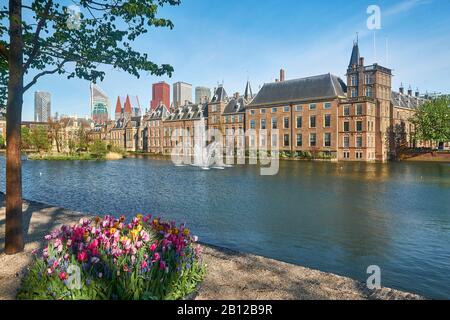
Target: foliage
column 116, row 149
column 26, row 140
column 144, row 259
column 2, row 141
column 98, row 149
column 82, row 141
column 40, row 138
column 432, row 120
column 60, row 157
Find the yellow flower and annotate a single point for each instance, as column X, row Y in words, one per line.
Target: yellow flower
column 112, row 230
column 175, row 231
column 124, row 239
column 134, row 233
column 139, row 228
column 155, row 221
column 186, row 232
column 139, row 217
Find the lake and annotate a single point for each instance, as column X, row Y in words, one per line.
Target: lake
column 335, row 217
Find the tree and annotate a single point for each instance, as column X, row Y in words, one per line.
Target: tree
column 2, row 141
column 59, row 40
column 26, row 140
column 432, row 120
column 98, row 149
column 57, row 133
column 40, row 138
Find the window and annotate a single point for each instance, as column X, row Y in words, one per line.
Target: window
column 252, row 124
column 358, row 155
column 286, row 122
column 354, row 80
column 327, row 105
column 274, row 123
column 327, row 120
column 299, row 139
column 327, row 139
column 368, row 79
column 274, row 141
column 312, row 121
column 346, row 154
column 252, row 112
column 346, row 126
column 263, row 123
column 359, row 142
column 354, row 93
column 274, row 110
column 312, row 139
column 368, row 92
column 298, row 108
column 252, row 140
column 214, row 108
column 286, row 109
column 359, row 109
column 241, row 117
column 358, row 125
column 299, row 122
column 262, row 111
column 346, row 142
column 286, row 140
column 312, row 106
column 346, row 110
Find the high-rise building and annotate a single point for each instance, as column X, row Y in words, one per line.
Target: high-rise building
column 182, row 92
column 160, row 94
column 202, row 95
column 100, row 105
column 42, row 106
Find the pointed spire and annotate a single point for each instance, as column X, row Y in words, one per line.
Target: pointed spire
column 354, row 60
column 248, row 91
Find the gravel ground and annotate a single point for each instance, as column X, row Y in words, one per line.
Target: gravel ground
column 230, row 275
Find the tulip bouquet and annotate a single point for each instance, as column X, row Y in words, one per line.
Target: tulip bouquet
column 110, row 258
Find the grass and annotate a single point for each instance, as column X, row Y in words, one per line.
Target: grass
column 63, row 157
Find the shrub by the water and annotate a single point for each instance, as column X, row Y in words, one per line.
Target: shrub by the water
column 111, row 259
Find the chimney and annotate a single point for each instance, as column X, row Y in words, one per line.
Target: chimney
column 281, row 75
column 361, row 61
column 410, row 92
column 236, row 95
column 401, row 89
column 417, row 94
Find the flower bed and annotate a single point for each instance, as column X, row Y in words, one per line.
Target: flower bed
column 111, row 259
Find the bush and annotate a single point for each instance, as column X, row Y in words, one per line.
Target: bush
column 111, row 259
column 98, row 149
column 2, row 141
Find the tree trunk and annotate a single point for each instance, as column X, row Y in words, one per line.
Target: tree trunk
column 14, row 240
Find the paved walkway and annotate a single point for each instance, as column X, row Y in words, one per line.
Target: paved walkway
column 230, row 275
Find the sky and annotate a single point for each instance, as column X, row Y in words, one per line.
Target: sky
column 218, row 41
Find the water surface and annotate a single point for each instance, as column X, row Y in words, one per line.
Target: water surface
column 336, row 217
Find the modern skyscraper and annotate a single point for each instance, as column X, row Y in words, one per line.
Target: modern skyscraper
column 160, row 93
column 182, row 92
column 42, row 106
column 202, row 95
column 100, row 105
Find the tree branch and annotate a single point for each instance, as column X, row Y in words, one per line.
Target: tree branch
column 43, row 73
column 36, row 35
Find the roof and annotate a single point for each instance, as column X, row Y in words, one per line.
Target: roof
column 354, row 59
column 189, row 112
column 220, row 95
column 406, row 101
column 235, row 106
column 248, row 95
column 159, row 112
column 317, row 87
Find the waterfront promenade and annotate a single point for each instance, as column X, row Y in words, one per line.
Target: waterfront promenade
column 230, row 275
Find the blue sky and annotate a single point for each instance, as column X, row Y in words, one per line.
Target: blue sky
column 230, row 41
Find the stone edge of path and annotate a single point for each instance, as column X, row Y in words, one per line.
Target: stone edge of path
column 230, row 274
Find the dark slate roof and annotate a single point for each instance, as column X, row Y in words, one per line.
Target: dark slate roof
column 317, row 87
column 220, row 95
column 235, row 106
column 160, row 112
column 248, row 94
column 189, row 112
column 355, row 55
column 406, row 101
